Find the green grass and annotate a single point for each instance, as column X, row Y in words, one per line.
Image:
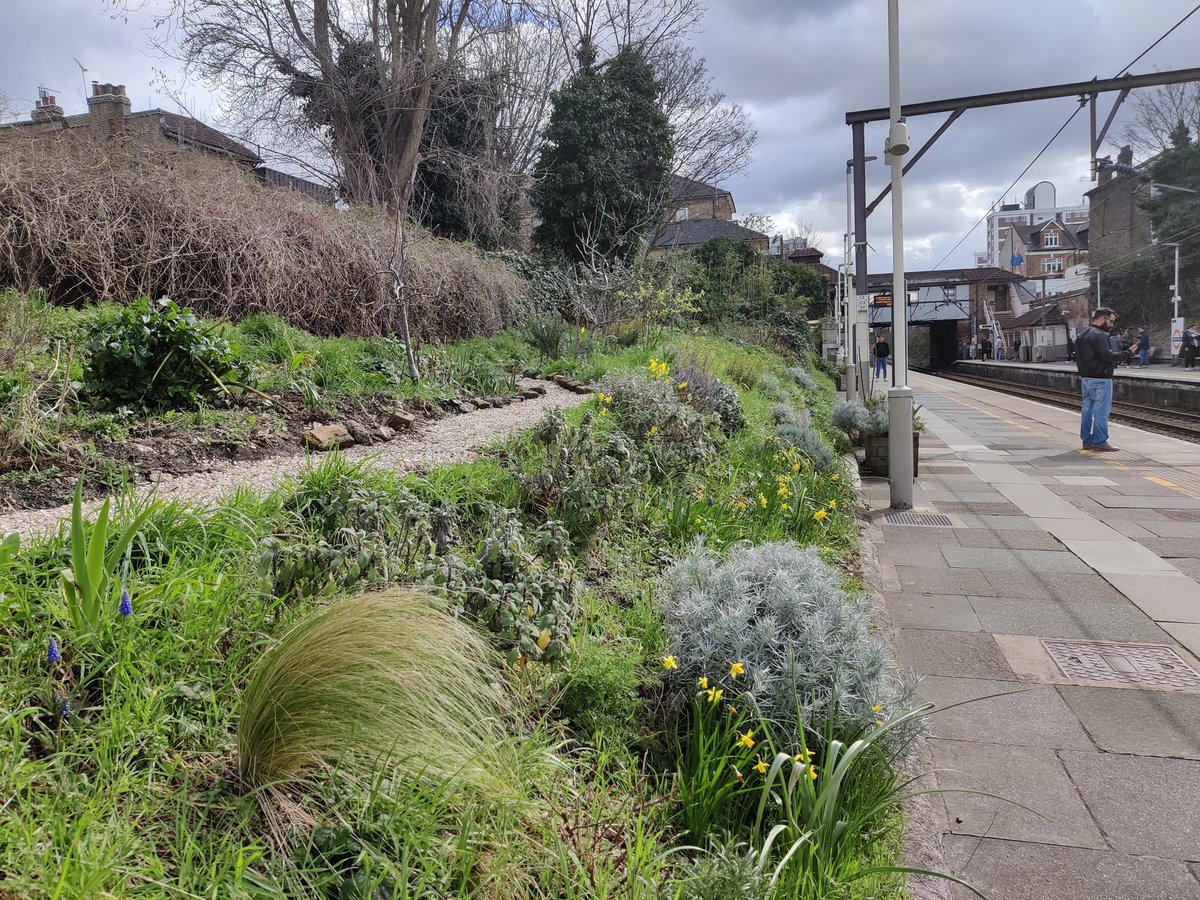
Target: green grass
column 146, row 788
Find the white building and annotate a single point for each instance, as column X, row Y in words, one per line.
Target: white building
column 1040, row 206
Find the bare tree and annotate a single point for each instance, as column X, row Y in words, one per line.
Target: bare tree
column 364, row 69
column 1156, row 112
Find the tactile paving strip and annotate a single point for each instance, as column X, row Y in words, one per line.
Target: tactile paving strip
column 1155, row 664
column 935, row 520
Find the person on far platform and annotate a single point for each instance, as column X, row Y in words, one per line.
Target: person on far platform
column 881, row 351
column 1095, row 359
column 1143, row 348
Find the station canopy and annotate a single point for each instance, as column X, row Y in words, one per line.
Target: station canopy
column 941, row 295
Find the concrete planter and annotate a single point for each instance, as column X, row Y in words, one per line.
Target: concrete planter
column 876, row 460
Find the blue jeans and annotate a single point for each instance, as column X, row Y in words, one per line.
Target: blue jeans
column 1097, row 402
column 881, row 366
column 1144, row 357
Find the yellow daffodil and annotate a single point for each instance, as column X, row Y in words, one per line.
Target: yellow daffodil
column 747, row 740
column 812, row 772
column 732, row 710
column 682, row 385
column 653, row 431
column 714, row 695
column 783, row 491
column 737, row 669
column 670, row 663
column 742, row 533
column 795, row 467
column 737, row 775
column 762, row 500
column 582, row 332
column 877, row 709
column 760, row 766
column 820, row 514
column 804, row 756
column 834, row 478
column 784, row 507
column 833, row 504
column 699, row 520
column 741, row 504
column 604, row 411
column 703, row 682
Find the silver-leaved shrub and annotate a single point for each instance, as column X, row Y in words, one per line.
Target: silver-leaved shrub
column 780, row 611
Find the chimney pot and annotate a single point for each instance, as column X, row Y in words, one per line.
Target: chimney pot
column 119, row 90
column 95, row 89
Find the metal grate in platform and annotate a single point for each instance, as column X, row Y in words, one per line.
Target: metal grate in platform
column 1155, row 664
column 929, row 520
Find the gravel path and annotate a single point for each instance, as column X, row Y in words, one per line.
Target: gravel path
column 447, row 440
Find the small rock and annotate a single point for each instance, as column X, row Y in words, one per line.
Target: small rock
column 142, row 449
column 361, row 433
column 326, row 437
column 400, row 420
column 385, row 433
column 157, row 477
column 531, row 394
column 464, row 407
column 480, row 403
column 539, row 390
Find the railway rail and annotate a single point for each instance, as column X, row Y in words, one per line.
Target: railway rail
column 1175, row 422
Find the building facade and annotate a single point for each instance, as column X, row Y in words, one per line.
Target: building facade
column 1040, row 205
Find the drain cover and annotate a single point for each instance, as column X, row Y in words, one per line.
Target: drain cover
column 1126, row 663
column 935, row 520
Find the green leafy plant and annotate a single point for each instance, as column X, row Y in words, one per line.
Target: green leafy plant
column 650, row 411
column 90, row 581
column 546, row 333
column 158, row 354
column 600, row 690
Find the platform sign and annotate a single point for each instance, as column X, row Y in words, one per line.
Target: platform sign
column 881, row 300
column 1176, row 336
column 863, row 300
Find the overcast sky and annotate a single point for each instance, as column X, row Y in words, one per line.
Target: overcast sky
column 797, row 66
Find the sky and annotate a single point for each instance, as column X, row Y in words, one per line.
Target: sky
column 797, row 66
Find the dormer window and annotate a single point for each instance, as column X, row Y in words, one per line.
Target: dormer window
column 1049, row 238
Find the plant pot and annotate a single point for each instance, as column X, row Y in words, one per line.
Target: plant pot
column 875, row 461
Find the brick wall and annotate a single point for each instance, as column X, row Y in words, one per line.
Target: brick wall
column 719, row 206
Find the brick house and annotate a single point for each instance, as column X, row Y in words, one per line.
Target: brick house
column 1045, row 250
column 696, row 212
column 1118, row 224
column 109, row 116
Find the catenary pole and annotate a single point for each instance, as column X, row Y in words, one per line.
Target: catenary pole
column 900, row 399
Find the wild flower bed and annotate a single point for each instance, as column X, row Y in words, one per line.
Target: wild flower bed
column 613, row 658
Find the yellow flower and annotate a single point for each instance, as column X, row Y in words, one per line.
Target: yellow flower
column 737, row 669
column 834, row 478
column 703, row 682
column 604, row 411
column 812, row 772
column 699, row 520
column 784, row 492
column 784, row 507
column 742, row 533
column 732, row 710
column 833, row 504
column 682, row 385
column 747, row 740
column 741, row 504
column 714, row 695
column 652, row 432
column 820, row 514
column 582, row 331
column 760, row 766
column 876, row 709
column 804, row 756
column 762, row 500
column 669, row 663
column 795, row 467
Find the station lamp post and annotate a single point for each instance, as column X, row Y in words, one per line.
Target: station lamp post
column 900, row 398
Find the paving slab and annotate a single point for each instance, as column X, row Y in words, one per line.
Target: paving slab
column 1037, row 502
column 1170, row 547
column 1173, row 501
column 945, row 612
column 1189, row 567
column 1181, row 515
column 1048, row 586
column 1079, row 529
column 1079, row 619
column 1082, row 480
column 1144, row 805
column 1012, row 540
column 917, row 534
column 914, row 579
column 1026, row 716
column 1188, row 635
column 1170, row 529
column 1145, row 723
column 1122, row 557
column 1019, row 560
column 1013, row 870
column 1000, row 473
column 954, row 653
column 1033, row 777
column 941, row 495
column 982, row 509
column 1165, row 598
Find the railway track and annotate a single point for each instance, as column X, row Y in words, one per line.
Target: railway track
column 1176, row 423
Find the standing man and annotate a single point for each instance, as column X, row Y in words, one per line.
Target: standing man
column 1095, row 359
column 882, row 351
column 1143, row 348
column 1190, row 338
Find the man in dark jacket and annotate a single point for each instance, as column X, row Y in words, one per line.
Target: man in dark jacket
column 1143, row 348
column 1095, row 359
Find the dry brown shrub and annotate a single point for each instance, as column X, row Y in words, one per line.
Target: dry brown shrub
column 113, row 221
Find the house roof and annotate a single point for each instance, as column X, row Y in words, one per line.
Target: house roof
column 191, row 131
column 806, row 252
column 1034, row 318
column 691, row 232
column 1074, row 235
column 274, row 178
column 690, row 189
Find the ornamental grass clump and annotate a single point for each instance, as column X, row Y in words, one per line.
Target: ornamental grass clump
column 802, row 378
column 780, row 610
column 384, row 679
column 808, row 441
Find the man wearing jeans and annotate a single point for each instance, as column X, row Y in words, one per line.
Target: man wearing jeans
column 881, row 352
column 1095, row 358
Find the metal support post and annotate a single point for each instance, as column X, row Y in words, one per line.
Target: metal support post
column 900, row 398
column 861, row 320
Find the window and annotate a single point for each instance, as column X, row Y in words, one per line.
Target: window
column 1050, row 239
column 1052, row 266
column 681, row 214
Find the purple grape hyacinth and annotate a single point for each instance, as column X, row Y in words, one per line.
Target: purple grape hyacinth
column 126, row 607
column 53, row 656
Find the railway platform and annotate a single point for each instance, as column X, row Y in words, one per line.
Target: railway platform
column 1155, row 370
column 1058, row 591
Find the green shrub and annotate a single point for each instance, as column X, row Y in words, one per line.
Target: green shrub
column 780, row 611
column 519, row 587
column 769, row 385
column 708, row 394
column 546, row 333
column 625, row 333
column 850, row 416
column 809, row 442
column 600, row 694
column 802, row 378
column 382, row 680
column 787, row 414
column 745, row 368
column 650, row 412
column 157, row 354
column 727, row 872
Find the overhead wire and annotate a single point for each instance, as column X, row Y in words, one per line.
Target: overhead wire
column 1063, row 128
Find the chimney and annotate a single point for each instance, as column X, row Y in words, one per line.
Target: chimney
column 1125, row 156
column 46, row 108
column 108, row 106
column 1104, row 172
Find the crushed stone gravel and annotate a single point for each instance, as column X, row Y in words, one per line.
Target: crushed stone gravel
column 447, row 440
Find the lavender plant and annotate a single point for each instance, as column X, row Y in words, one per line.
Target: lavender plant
column 809, row 442
column 802, row 378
